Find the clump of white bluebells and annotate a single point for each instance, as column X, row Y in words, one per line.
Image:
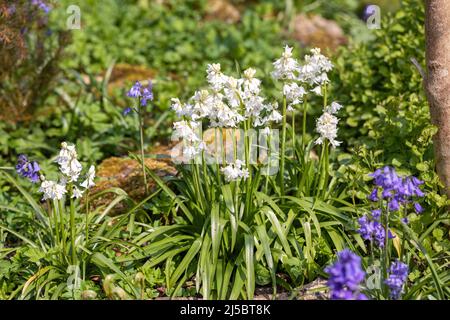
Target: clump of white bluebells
column 286, row 67
column 327, row 125
column 294, row 94
column 71, row 168
column 235, row 171
column 89, row 182
column 313, row 73
column 226, row 103
column 68, row 162
column 52, row 190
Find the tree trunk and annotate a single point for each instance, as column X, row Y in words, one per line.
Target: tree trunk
column 437, row 84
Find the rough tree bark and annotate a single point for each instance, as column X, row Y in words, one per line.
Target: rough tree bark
column 437, row 82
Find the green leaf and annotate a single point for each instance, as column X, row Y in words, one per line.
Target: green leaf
column 184, row 264
column 249, row 263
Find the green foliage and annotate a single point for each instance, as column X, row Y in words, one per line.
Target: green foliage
column 30, row 59
column 387, row 121
column 197, row 234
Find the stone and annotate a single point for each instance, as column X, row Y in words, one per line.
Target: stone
column 316, row 31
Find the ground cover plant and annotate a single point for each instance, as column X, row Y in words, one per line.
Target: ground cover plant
column 256, row 162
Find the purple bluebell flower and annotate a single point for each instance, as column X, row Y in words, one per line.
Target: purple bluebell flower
column 374, row 195
column 393, row 205
column 387, row 179
column 398, row 273
column 126, row 111
column 135, row 91
column 12, row 9
column 405, row 220
column 28, row 169
column 147, row 94
column 418, row 207
column 42, row 5
column 390, row 235
column 371, row 229
column 369, row 11
column 345, row 276
column 376, row 214
column 396, row 190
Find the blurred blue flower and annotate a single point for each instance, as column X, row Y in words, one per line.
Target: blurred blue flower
column 371, row 229
column 145, row 93
column 42, row 5
column 126, row 111
column 395, row 189
column 345, row 276
column 135, row 91
column 28, row 169
column 398, row 273
column 418, row 207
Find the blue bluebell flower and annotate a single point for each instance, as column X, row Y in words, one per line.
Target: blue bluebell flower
column 396, row 190
column 42, row 5
column 398, row 273
column 371, row 229
column 376, row 214
column 147, row 94
column 393, row 205
column 28, row 169
column 374, row 195
column 126, row 111
column 345, row 277
column 369, row 11
column 12, row 9
column 418, row 207
column 135, row 91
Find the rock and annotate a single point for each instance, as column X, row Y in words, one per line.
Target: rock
column 126, row 173
column 316, row 31
column 222, row 10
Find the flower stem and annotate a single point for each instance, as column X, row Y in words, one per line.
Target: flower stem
column 268, row 164
column 141, row 132
column 72, row 230
column 305, row 107
column 53, row 214
column 87, row 218
column 322, row 167
column 62, row 223
column 293, row 134
column 283, row 148
column 386, row 250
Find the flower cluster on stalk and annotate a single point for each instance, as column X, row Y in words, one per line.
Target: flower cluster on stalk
column 41, row 4
column 28, row 169
column 398, row 273
column 327, row 125
column 313, row 73
column 226, row 103
column 345, row 277
column 70, row 168
column 235, row 171
column 397, row 191
column 144, row 94
column 371, row 228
